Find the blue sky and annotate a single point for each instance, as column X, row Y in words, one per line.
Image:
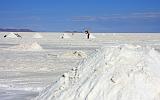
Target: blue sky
column 77, row 15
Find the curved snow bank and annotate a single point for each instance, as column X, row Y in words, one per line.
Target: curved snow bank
column 113, row 73
column 27, row 47
column 65, row 36
column 37, row 35
column 73, row 54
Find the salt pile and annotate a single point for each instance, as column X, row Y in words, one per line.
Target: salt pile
column 73, row 54
column 37, row 35
column 113, row 73
column 11, row 35
column 27, row 47
column 92, row 36
column 65, row 36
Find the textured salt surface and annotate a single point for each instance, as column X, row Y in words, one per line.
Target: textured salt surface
column 37, row 35
column 73, row 54
column 124, row 72
column 23, row 72
column 65, row 36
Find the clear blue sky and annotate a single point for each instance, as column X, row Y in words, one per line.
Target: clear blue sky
column 76, row 15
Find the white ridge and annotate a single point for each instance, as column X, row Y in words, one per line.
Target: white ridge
column 113, row 73
column 11, row 35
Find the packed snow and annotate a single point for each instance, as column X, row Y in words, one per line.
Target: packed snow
column 109, row 67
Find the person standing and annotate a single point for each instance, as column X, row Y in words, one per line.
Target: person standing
column 88, row 34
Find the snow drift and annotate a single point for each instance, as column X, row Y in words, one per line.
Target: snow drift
column 37, row 35
column 112, row 73
column 27, row 47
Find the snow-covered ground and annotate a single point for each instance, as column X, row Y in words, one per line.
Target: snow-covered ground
column 44, row 66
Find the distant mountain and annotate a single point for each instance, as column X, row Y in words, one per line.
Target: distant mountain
column 15, row 30
column 73, row 31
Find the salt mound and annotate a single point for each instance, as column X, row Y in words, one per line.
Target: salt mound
column 65, row 36
column 37, row 35
column 73, row 54
column 11, row 35
column 27, row 47
column 112, row 73
column 92, row 36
